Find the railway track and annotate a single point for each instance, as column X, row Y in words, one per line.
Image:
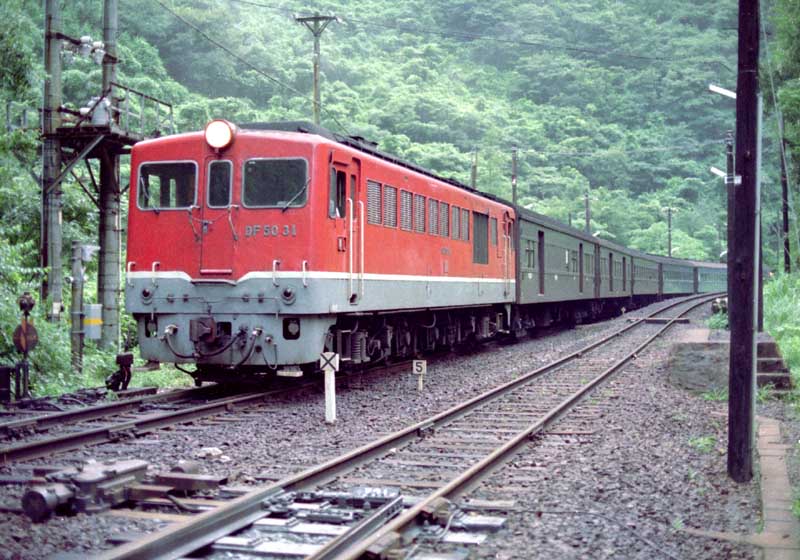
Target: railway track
column 128, row 418
column 434, row 462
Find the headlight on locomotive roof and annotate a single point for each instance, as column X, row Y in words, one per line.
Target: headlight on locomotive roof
column 220, row 134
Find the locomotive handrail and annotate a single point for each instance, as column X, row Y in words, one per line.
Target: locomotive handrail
column 361, row 235
column 275, row 264
column 305, row 274
column 156, row 264
column 230, row 220
column 350, row 247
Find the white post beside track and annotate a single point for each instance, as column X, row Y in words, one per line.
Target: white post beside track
column 420, row 367
column 329, row 363
column 330, row 396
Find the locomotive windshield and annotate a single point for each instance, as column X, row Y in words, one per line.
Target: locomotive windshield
column 168, row 185
column 275, row 183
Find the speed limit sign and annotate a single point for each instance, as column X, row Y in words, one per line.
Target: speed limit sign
column 420, row 367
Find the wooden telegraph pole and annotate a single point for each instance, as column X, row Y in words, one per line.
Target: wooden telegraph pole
column 316, row 24
column 742, row 304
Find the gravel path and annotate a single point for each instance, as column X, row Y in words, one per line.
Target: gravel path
column 641, row 473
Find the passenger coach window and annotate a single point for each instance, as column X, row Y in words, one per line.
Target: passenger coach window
column 164, row 186
column 219, row 184
column 275, row 183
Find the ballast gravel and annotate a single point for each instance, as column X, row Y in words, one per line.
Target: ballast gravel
column 654, row 464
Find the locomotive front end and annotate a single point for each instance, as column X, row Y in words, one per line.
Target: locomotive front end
column 220, row 250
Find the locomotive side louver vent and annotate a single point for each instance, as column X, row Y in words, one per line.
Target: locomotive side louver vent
column 444, row 219
column 433, row 217
column 419, row 213
column 373, row 202
column 389, row 206
column 405, row 210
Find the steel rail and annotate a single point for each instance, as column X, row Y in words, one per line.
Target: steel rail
column 471, row 476
column 203, row 529
column 99, row 411
column 66, row 442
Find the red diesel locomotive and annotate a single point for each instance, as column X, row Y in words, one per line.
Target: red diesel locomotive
column 253, row 249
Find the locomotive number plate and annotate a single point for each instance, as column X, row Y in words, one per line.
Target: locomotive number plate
column 267, row 230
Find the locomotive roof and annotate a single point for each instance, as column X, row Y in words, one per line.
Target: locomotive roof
column 363, row 145
column 369, row 147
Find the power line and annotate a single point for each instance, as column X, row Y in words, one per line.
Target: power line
column 471, row 36
column 785, row 160
column 245, row 62
column 624, row 151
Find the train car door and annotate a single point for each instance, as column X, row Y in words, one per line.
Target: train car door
column 509, row 260
column 216, row 226
column 357, row 214
column 346, row 210
column 597, row 275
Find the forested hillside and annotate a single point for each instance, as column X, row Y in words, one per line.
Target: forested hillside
column 604, row 97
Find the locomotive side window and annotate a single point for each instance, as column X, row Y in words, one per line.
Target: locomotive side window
column 419, row 213
column 219, row 184
column 337, row 194
column 275, row 183
column 373, row 202
column 493, row 230
column 389, row 206
column 164, row 186
column 405, row 210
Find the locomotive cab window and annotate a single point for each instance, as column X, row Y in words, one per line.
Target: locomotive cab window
column 275, row 183
column 219, row 184
column 165, row 186
column 337, row 194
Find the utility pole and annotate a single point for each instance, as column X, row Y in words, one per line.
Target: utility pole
column 50, row 241
column 474, row 174
column 759, row 231
column 669, row 231
column 108, row 274
column 76, row 308
column 742, row 304
column 787, row 257
column 517, row 230
column 316, row 24
column 588, row 213
column 729, row 180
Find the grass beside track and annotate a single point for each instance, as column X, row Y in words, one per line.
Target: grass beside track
column 782, row 321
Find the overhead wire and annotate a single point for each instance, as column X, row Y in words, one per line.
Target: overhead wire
column 785, row 160
column 251, row 66
column 419, row 30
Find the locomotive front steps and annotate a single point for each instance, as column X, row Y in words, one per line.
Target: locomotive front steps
column 700, row 364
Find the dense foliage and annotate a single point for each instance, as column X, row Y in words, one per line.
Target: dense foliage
column 605, row 98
